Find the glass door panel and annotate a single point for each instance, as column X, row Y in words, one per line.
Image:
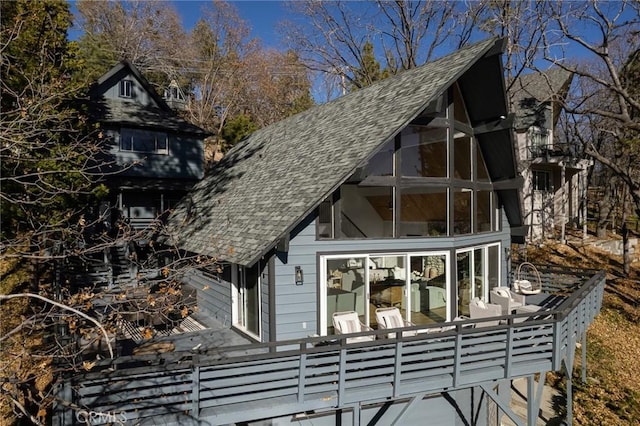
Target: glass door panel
column 493, row 273
column 249, row 301
column 464, row 277
column 479, row 289
column 428, row 289
column 387, row 283
column 346, row 289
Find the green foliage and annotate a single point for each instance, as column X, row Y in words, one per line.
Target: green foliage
column 369, row 69
column 47, row 157
column 237, row 128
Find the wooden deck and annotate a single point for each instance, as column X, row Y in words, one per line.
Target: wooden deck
column 260, row 381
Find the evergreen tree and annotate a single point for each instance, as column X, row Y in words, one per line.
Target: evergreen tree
column 368, row 71
column 47, row 152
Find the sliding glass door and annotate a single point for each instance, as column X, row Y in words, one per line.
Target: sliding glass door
column 415, row 283
column 248, row 300
column 477, row 271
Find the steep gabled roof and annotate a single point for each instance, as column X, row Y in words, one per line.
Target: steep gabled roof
column 117, row 112
column 275, row 178
column 530, row 91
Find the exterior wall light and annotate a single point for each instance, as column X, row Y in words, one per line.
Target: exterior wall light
column 299, row 276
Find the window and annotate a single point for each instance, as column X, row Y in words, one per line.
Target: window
column 541, row 180
column 424, row 212
column 424, row 153
column 138, row 140
column 325, row 219
column 539, row 141
column 417, row 283
column 462, row 157
column 413, row 187
column 484, row 211
column 126, row 87
column 462, row 211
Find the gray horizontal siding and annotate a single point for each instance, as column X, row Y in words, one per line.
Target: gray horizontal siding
column 138, row 94
column 184, row 161
column 214, row 296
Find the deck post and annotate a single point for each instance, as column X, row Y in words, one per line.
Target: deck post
column 509, row 349
column 457, row 354
column 584, row 357
column 301, row 376
column 569, row 419
column 342, row 369
column 502, row 406
column 397, row 367
column 195, row 392
column 534, row 398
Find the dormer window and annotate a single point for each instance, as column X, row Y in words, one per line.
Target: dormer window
column 126, row 87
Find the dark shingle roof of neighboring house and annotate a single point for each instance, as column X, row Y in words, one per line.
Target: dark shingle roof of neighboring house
column 275, row 178
column 120, row 112
column 529, row 91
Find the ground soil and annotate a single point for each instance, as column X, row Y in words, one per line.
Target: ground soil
column 611, row 395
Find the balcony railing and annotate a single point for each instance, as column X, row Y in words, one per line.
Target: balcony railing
column 551, row 151
column 244, row 383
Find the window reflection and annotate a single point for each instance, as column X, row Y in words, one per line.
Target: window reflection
column 484, row 211
column 462, row 211
column 423, row 212
column 381, row 164
column 462, row 157
column 424, row 153
column 367, row 212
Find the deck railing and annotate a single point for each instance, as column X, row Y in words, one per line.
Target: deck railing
column 243, row 383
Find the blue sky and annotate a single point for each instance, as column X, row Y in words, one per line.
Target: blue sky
column 261, row 16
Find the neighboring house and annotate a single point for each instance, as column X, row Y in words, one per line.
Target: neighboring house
column 404, row 193
column 555, row 178
column 155, row 156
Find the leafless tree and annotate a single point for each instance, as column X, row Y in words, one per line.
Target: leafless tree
column 330, row 36
column 53, row 159
column 149, row 34
column 607, row 35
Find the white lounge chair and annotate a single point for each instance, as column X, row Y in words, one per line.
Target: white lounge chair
column 480, row 309
column 390, row 318
column 507, row 299
column 348, row 322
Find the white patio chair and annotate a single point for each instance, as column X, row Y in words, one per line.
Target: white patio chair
column 507, row 299
column 480, row 309
column 390, row 318
column 348, row 322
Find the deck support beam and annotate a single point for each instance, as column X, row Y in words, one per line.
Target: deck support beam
column 505, row 408
column 534, row 401
column 412, row 403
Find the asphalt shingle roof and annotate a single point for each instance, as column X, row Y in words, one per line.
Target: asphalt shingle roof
column 156, row 115
column 272, row 180
column 135, row 114
column 531, row 90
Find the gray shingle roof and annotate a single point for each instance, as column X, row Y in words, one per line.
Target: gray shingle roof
column 117, row 112
column 529, row 91
column 134, row 114
column 279, row 174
